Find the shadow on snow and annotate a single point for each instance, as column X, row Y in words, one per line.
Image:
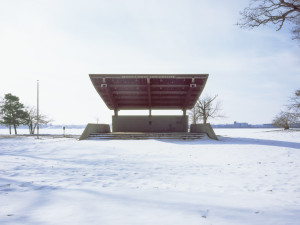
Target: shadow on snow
column 236, row 141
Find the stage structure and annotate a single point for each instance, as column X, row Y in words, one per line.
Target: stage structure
column 149, row 92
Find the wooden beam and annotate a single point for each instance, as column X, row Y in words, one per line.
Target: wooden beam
column 130, row 101
column 129, row 92
column 141, row 107
column 110, row 96
column 169, row 85
column 145, row 85
column 166, row 100
column 168, row 92
column 124, row 85
column 162, row 92
column 153, row 103
column 137, row 106
column 145, row 97
column 131, row 97
column 157, row 97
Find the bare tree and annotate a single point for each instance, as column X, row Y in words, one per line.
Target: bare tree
column 284, row 120
column 206, row 108
column 193, row 116
column 294, row 105
column 31, row 120
column 277, row 12
column 292, row 114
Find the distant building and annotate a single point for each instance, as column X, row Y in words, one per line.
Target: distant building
column 243, row 125
column 240, row 125
column 295, row 125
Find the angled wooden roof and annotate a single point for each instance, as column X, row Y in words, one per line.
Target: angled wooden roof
column 149, row 91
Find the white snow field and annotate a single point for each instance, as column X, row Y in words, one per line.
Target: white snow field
column 249, row 176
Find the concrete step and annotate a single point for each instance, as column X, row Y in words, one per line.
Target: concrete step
column 144, row 136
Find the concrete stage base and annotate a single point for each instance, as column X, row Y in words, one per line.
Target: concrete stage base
column 94, row 128
column 145, row 136
column 203, row 128
column 160, row 124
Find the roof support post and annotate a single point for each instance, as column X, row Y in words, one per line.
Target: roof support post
column 184, row 112
column 149, row 95
column 116, row 112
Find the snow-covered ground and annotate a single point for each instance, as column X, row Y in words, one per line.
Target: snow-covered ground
column 45, row 131
column 249, row 176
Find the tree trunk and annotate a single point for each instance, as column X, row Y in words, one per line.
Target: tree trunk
column 30, row 128
column 15, row 127
column 204, row 117
column 9, row 129
column 33, row 128
column 286, row 126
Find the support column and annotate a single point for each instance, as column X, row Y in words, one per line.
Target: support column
column 149, row 95
column 150, row 112
column 116, row 112
column 184, row 112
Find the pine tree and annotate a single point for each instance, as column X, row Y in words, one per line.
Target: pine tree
column 13, row 112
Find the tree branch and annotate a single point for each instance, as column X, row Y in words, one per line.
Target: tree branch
column 263, row 12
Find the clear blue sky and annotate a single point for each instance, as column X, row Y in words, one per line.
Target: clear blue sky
column 60, row 42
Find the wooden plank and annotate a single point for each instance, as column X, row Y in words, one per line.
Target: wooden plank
column 110, row 96
column 145, row 97
column 144, row 86
column 140, row 76
column 129, row 92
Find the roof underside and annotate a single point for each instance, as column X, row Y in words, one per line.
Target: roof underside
column 149, row 91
